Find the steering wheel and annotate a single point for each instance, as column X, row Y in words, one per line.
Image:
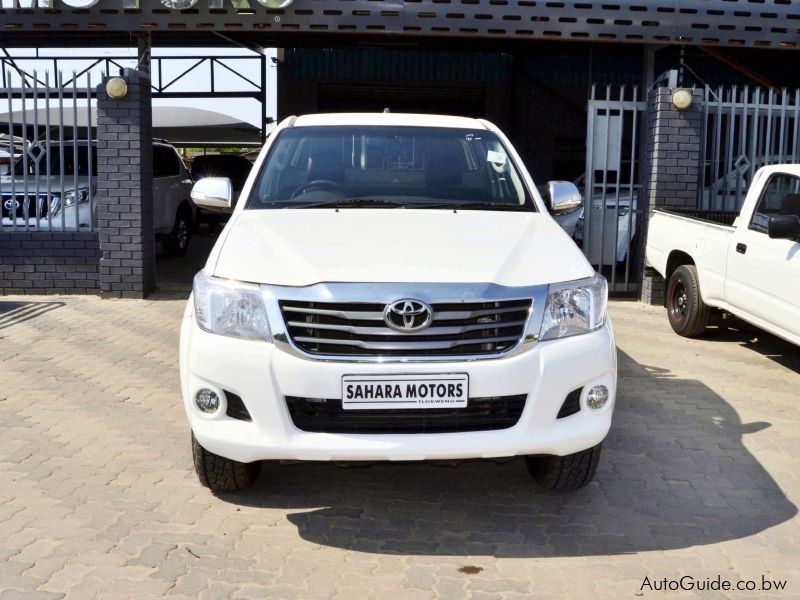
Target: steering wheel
column 326, row 184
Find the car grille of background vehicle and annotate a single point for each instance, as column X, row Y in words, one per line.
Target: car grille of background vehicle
column 25, row 207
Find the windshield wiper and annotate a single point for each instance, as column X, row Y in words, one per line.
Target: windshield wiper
column 351, row 203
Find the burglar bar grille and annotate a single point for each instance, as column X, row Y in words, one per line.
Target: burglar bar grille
column 744, row 129
column 47, row 167
column 613, row 205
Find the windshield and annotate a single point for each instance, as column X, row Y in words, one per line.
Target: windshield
column 412, row 167
column 53, row 166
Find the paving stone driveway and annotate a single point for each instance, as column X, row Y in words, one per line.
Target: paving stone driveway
column 97, row 496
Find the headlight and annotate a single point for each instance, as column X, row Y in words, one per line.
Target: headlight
column 80, row 196
column 55, row 205
column 230, row 308
column 574, row 307
column 69, row 200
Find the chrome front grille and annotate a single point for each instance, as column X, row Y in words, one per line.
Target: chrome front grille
column 23, row 206
column 358, row 329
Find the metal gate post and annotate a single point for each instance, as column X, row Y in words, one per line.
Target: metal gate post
column 672, row 165
column 144, row 51
column 125, row 189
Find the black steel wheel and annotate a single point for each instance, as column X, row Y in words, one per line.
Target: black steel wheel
column 687, row 313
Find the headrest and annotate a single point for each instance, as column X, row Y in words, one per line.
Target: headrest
column 326, row 165
column 444, row 166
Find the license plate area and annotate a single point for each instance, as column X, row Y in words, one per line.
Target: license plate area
column 382, row 392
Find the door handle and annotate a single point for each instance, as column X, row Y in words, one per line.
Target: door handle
column 741, row 248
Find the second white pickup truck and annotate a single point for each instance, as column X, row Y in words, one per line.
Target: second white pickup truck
column 750, row 268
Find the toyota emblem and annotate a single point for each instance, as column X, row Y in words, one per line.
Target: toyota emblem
column 408, row 315
column 11, row 205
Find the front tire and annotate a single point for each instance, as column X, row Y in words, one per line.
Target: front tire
column 221, row 474
column 564, row 473
column 177, row 242
column 687, row 313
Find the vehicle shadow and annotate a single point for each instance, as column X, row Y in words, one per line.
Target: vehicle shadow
column 14, row 312
column 674, row 474
column 729, row 328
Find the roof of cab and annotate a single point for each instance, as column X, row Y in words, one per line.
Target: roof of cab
column 388, row 120
column 791, row 168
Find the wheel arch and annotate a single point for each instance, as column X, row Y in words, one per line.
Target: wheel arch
column 186, row 206
column 676, row 259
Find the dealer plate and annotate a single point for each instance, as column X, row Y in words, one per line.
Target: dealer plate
column 369, row 392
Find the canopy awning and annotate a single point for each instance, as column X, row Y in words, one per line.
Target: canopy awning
column 183, row 125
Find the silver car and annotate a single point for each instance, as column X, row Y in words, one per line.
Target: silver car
column 56, row 192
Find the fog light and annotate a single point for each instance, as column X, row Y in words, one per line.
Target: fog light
column 597, row 396
column 207, row 400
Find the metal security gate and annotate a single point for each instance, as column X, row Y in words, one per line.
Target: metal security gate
column 744, row 129
column 47, row 160
column 613, row 202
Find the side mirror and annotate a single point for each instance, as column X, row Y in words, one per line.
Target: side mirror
column 563, row 196
column 784, row 227
column 213, row 193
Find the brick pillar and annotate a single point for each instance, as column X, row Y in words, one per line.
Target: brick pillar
column 125, row 190
column 671, row 171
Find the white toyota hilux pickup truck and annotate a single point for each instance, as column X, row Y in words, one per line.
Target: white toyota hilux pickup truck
column 392, row 287
column 750, row 268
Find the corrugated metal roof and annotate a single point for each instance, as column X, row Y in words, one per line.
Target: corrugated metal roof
column 751, row 23
column 380, row 64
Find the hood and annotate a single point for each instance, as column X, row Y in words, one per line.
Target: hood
column 42, row 181
column 299, row 247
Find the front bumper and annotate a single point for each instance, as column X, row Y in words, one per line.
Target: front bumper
column 263, row 375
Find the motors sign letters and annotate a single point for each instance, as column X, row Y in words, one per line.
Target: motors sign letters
column 134, row 4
